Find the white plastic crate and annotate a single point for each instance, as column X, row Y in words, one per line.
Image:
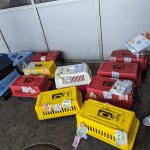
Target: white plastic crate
column 72, row 75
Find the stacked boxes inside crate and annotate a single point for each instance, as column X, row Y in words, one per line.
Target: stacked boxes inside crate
column 38, row 68
column 7, row 75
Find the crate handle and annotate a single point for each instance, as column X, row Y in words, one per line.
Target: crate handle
column 126, row 53
column 28, row 80
column 57, row 96
column 118, row 67
column 44, row 54
column 108, row 84
column 38, row 65
column 20, row 57
column 105, row 114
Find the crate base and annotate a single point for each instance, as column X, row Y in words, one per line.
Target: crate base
column 61, row 119
column 30, row 95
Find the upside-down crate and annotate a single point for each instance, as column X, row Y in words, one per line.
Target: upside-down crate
column 5, row 66
column 58, row 103
column 120, row 70
column 41, row 68
column 99, row 89
column 20, row 59
column 7, row 81
column 73, row 75
column 127, row 56
column 47, row 56
column 30, row 86
column 111, row 124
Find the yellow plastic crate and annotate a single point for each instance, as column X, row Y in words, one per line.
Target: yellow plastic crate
column 41, row 68
column 104, row 120
column 58, row 103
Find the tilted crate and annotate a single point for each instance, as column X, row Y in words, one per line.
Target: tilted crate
column 7, row 81
column 58, row 103
column 72, row 75
column 99, row 89
column 120, row 70
column 41, row 68
column 127, row 56
column 20, row 59
column 104, row 121
column 30, row 86
column 6, row 66
column 48, row 56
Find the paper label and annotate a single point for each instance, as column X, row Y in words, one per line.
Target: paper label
column 93, row 95
column 66, row 79
column 44, row 71
column 138, row 44
column 113, row 59
column 107, row 95
column 115, row 74
column 25, row 89
column 57, row 107
column 66, row 104
column 27, row 72
column 28, row 90
column 76, row 142
column 127, row 59
column 121, row 138
column 79, row 68
column 47, row 107
column 81, row 131
column 42, row 58
column 34, row 71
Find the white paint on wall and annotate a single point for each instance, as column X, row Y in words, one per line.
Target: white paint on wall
column 22, row 31
column 121, row 21
column 72, row 28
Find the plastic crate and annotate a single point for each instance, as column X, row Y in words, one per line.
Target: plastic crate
column 5, row 66
column 104, row 121
column 7, row 81
column 20, row 59
column 41, row 68
column 99, row 89
column 30, row 86
column 58, row 103
column 47, row 56
column 73, row 75
column 127, row 56
column 120, row 70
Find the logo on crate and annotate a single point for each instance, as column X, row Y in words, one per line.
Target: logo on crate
column 28, row 90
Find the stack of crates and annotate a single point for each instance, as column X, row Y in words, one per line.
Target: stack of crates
column 7, row 75
column 99, row 89
column 73, row 75
column 30, row 86
column 120, row 70
column 20, row 59
column 113, row 125
column 58, row 103
column 127, row 56
column 48, row 56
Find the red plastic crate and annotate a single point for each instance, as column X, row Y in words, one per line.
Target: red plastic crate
column 99, row 88
column 48, row 56
column 127, row 56
column 30, row 86
column 121, row 70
